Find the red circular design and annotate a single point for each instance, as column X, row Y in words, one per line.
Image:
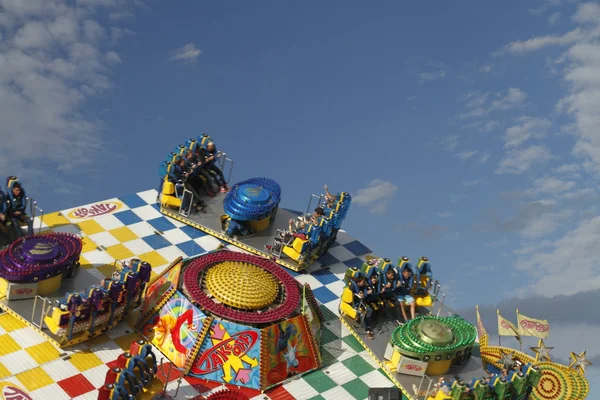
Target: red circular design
column 193, row 273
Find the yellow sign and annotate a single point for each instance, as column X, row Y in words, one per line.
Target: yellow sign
column 538, row 328
column 95, row 210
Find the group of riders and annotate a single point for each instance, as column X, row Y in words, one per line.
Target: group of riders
column 13, row 211
column 198, row 168
column 375, row 290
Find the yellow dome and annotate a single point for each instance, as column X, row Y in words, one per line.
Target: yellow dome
column 241, row 285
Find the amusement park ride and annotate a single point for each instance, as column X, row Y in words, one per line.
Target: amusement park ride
column 233, row 316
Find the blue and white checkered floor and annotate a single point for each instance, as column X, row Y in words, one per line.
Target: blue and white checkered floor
column 125, row 227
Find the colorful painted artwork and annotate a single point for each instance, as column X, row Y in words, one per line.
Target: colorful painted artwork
column 289, row 351
column 175, row 329
column 230, row 354
column 157, row 291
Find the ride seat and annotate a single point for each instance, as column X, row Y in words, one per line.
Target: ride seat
column 298, row 248
column 169, row 197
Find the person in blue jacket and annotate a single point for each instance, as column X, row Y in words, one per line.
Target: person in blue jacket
column 18, row 205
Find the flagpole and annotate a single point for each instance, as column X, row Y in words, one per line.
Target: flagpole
column 518, row 333
column 499, row 340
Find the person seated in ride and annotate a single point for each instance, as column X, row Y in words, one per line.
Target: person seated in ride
column 4, row 217
column 360, row 289
column 18, row 205
column 388, row 284
column 211, row 165
column 196, row 174
column 373, row 291
column 181, row 174
column 286, row 237
column 403, row 287
column 303, row 220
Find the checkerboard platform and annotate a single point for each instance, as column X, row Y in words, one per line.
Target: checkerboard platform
column 125, row 227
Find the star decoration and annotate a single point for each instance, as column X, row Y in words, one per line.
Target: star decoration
column 541, row 351
column 507, row 359
column 579, row 362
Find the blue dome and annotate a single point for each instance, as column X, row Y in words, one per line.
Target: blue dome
column 252, row 199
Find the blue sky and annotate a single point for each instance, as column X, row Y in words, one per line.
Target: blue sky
column 465, row 131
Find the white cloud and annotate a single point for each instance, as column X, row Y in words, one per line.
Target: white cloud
column 483, row 126
column 579, row 194
column 551, row 185
column 518, row 161
column 514, row 97
column 554, row 18
column 474, row 182
column 567, row 169
column 432, row 75
column 446, row 214
column 545, row 224
column 485, row 68
column 377, row 195
column 484, row 157
column 540, row 42
column 480, row 157
column 465, row 155
column 187, row 53
column 569, row 265
column 52, row 59
column 481, row 104
column 528, row 128
column 449, row 142
column 588, row 13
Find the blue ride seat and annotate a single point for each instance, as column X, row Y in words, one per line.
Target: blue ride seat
column 179, row 150
column 171, row 157
column 203, row 140
column 191, row 144
column 327, row 227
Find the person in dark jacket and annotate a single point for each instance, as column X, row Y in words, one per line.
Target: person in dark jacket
column 18, row 206
column 5, row 222
column 211, row 157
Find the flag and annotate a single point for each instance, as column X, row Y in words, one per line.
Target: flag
column 480, row 328
column 538, row 328
column 505, row 327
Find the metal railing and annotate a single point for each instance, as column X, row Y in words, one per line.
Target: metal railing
column 222, row 162
column 310, row 200
column 46, row 306
column 188, row 193
column 420, row 389
column 167, row 377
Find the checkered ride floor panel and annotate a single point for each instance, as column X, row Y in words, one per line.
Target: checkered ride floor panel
column 125, row 227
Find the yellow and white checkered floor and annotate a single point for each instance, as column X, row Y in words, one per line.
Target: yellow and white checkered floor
column 122, row 228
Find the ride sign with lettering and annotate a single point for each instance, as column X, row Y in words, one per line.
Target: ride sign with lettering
column 95, row 210
column 409, row 366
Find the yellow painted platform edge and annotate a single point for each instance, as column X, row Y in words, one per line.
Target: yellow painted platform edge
column 229, row 240
column 377, row 360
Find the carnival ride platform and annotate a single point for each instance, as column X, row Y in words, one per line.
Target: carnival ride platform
column 32, row 311
column 209, row 221
column 377, row 347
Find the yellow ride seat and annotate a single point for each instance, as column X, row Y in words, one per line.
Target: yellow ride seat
column 297, row 248
column 346, row 304
column 168, row 197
